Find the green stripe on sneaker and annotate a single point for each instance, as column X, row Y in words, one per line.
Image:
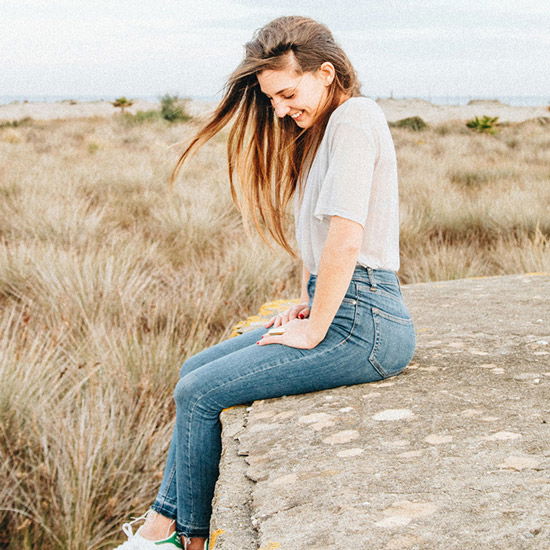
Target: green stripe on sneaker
column 172, row 539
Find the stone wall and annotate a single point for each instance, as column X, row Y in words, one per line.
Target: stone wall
column 452, row 453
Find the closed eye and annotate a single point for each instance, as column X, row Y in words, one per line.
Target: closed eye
column 284, row 97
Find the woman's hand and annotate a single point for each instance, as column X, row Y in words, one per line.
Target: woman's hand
column 299, row 333
column 296, row 311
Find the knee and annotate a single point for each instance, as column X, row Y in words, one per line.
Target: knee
column 190, row 364
column 190, row 391
column 183, row 391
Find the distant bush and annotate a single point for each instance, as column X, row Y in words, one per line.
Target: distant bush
column 15, row 123
column 414, row 123
column 142, row 117
column 172, row 109
column 485, row 124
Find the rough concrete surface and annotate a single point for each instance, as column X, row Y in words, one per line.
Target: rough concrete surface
column 452, row 453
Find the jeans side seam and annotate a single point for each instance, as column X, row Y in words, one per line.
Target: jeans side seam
column 164, row 496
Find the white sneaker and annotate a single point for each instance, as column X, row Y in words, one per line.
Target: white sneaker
column 137, row 542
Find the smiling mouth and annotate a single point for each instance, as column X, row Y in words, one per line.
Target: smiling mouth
column 297, row 115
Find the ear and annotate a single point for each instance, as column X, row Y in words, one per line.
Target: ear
column 326, row 73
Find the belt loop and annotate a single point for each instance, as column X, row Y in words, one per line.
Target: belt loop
column 371, row 278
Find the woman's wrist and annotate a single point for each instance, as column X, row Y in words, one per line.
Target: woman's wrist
column 316, row 333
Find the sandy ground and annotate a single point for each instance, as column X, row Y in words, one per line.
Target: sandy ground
column 394, row 109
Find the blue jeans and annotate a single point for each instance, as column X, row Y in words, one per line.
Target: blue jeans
column 371, row 337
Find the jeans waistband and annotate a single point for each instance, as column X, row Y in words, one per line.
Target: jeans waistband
column 371, row 276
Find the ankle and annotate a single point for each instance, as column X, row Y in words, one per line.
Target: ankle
column 193, row 543
column 157, row 527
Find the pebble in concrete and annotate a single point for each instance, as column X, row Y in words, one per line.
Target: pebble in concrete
column 341, row 437
column 402, row 542
column 318, row 426
column 435, row 439
column 393, row 414
column 471, row 412
column 284, row 415
column 403, row 512
column 355, row 451
column 263, row 414
column 519, row 463
column 502, row 436
column 397, row 443
column 314, row 417
column 317, row 421
column 284, row 480
column 371, row 395
column 410, row 454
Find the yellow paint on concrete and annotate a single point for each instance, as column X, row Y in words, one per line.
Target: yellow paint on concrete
column 213, row 537
column 265, row 312
column 233, row 406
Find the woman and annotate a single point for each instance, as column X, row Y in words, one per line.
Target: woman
column 302, row 130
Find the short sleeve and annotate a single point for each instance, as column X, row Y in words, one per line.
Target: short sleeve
column 345, row 189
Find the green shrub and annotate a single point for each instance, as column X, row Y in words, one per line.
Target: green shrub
column 14, row 123
column 141, row 117
column 172, row 109
column 485, row 124
column 414, row 123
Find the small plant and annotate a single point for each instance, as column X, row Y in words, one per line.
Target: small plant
column 172, row 109
column 414, row 123
column 485, row 124
column 122, row 103
column 141, row 117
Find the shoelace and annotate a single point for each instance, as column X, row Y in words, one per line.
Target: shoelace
column 127, row 527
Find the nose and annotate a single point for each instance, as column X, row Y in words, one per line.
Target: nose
column 281, row 109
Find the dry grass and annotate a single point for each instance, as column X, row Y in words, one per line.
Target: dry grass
column 108, row 281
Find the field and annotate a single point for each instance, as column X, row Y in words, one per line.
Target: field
column 109, row 280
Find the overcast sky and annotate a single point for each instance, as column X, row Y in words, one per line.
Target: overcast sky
column 146, row 48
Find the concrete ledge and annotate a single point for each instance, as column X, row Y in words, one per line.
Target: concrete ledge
column 452, row 453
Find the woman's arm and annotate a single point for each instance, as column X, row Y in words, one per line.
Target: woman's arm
column 336, row 266
column 337, row 263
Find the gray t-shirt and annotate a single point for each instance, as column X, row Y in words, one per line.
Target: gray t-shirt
column 353, row 175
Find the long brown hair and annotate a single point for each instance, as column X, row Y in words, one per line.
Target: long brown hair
column 271, row 156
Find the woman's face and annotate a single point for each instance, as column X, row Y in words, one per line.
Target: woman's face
column 297, row 95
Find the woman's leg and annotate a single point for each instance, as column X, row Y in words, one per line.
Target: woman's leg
column 166, row 500
column 355, row 347
column 251, row 373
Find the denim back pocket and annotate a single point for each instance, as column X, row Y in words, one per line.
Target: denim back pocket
column 394, row 343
